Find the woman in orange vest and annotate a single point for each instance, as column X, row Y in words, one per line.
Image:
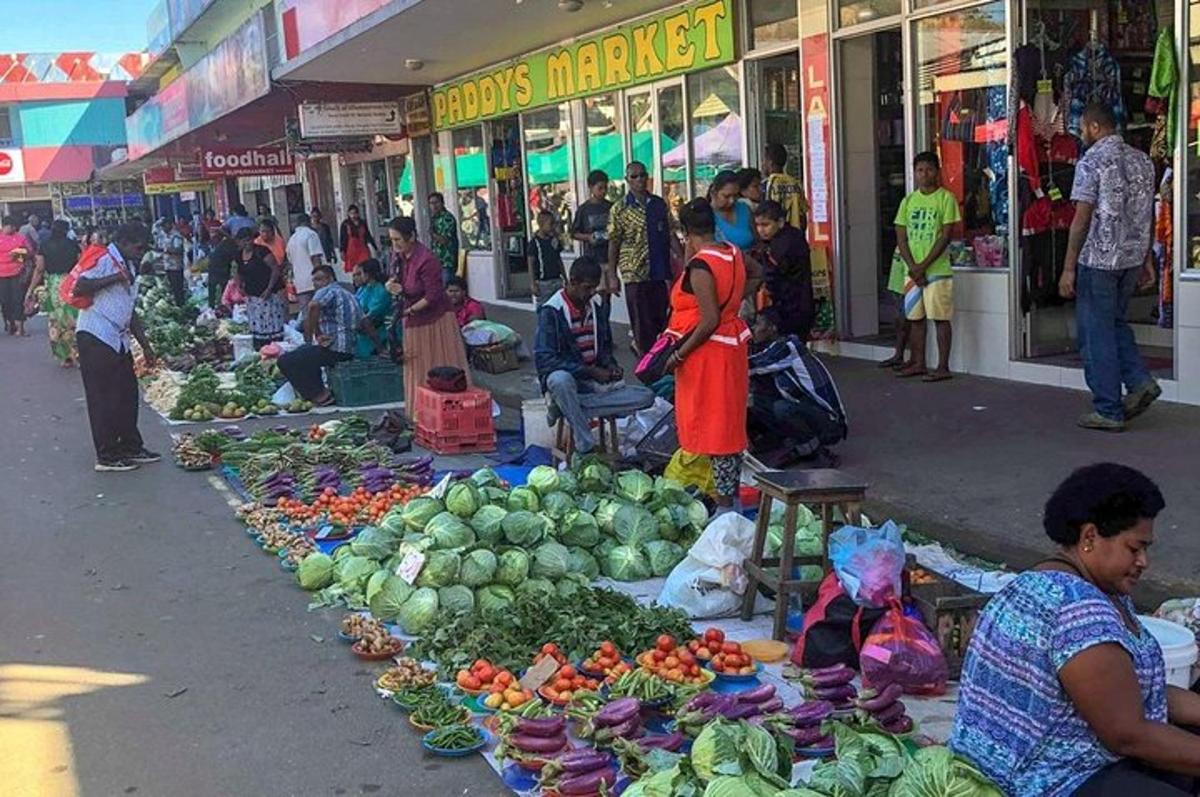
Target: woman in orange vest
column 711, row 364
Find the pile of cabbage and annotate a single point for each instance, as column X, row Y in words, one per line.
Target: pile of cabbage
column 482, row 544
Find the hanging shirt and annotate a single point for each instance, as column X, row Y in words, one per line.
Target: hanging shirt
column 1164, row 76
column 1093, row 75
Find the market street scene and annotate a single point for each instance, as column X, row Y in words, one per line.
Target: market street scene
column 569, row 398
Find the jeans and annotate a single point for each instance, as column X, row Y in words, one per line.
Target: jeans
column 1128, row 778
column 178, row 285
column 111, row 392
column 806, row 424
column 1110, row 354
column 580, row 400
column 302, row 367
column 216, row 288
column 648, row 303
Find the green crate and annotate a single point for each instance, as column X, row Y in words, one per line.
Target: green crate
column 360, row 383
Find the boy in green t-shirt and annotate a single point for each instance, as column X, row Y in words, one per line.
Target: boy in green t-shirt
column 921, row 273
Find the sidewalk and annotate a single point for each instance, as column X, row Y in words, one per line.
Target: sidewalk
column 970, row 462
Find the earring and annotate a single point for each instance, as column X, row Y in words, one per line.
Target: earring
column 1087, row 549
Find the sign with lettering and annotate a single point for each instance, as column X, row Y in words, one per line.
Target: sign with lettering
column 245, row 162
column 688, row 38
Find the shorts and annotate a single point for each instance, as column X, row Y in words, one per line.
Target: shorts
column 936, row 302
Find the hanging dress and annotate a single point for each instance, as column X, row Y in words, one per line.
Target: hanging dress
column 712, row 385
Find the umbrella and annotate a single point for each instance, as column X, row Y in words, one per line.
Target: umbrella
column 721, row 144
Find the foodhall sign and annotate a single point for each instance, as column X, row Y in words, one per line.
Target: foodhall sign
column 691, row 37
column 246, row 161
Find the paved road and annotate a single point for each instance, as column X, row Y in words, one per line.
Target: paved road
column 146, row 648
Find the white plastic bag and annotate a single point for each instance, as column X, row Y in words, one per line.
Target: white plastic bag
column 286, row 394
column 710, row 581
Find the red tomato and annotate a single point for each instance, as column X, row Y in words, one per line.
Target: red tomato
column 686, row 657
column 566, row 672
column 666, row 643
column 694, row 645
column 714, row 635
column 549, row 649
column 717, row 666
column 608, row 648
column 731, row 647
column 659, row 655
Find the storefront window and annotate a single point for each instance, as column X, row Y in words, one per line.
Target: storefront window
column 401, row 171
column 962, row 96
column 606, row 148
column 716, row 126
column 548, row 159
column 772, row 22
column 381, row 194
column 639, row 118
column 672, row 137
column 470, row 160
column 856, row 12
column 779, row 103
column 1192, row 260
column 442, row 164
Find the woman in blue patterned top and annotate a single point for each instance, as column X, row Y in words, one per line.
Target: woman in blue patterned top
column 1063, row 691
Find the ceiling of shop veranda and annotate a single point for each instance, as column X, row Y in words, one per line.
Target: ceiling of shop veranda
column 453, row 37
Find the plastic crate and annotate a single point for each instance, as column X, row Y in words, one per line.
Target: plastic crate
column 465, row 414
column 360, row 383
column 455, row 443
column 495, row 359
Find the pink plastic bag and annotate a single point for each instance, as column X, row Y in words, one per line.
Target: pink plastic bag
column 233, row 294
column 869, row 562
column 901, row 650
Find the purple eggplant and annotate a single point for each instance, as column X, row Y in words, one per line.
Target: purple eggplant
column 617, row 712
column 873, row 702
column 890, row 714
column 670, row 742
column 835, row 694
column 588, row 783
column 805, row 737
column 829, row 677
column 550, row 726
column 578, row 762
column 624, row 730
column 759, row 694
column 703, row 700
column 903, row 724
column 823, row 743
column 538, row 744
column 743, row 711
column 770, row 706
column 813, row 712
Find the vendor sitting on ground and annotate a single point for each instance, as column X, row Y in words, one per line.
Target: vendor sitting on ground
column 332, row 323
column 466, row 309
column 794, row 403
column 1063, row 691
column 574, row 356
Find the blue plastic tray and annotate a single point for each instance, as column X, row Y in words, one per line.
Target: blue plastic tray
column 484, row 738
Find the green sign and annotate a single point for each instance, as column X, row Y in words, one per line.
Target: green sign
column 691, row 37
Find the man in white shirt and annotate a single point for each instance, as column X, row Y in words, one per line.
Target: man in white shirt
column 305, row 253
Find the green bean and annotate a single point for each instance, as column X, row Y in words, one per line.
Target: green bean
column 455, row 737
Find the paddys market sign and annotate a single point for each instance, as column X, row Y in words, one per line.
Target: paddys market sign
column 688, row 38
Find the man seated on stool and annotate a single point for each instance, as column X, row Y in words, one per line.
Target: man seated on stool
column 574, row 356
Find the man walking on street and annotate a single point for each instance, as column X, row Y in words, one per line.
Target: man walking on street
column 171, row 245
column 640, row 244
column 305, row 253
column 443, row 232
column 1108, row 256
column 105, row 362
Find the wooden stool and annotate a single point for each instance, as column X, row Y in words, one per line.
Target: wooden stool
column 607, row 443
column 823, row 489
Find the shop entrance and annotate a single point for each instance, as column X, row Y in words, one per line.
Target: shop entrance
column 510, row 212
column 1074, row 54
column 873, row 156
column 775, row 82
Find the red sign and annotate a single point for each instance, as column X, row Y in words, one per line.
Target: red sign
column 245, row 162
column 159, row 175
column 818, row 165
column 6, row 163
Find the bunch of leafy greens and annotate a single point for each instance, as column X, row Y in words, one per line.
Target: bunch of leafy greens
column 509, row 635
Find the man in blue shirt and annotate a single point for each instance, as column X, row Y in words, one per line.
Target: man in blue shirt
column 102, row 333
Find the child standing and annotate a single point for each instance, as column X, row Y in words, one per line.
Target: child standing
column 545, row 259
column 923, row 277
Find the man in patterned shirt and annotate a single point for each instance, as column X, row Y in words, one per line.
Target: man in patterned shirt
column 1108, row 256
column 444, row 234
column 641, row 241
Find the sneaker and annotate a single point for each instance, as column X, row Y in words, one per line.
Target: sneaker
column 145, row 457
column 1094, row 420
column 114, row 466
column 1140, row 400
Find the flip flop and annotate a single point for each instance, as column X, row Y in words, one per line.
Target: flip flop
column 909, row 373
column 936, row 376
column 891, row 362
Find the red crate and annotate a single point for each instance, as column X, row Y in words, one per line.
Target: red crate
column 463, row 414
column 455, row 444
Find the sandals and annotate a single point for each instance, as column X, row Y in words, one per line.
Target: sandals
column 891, row 362
column 908, row 372
column 937, row 376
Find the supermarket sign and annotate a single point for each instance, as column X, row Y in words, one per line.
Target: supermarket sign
column 688, row 38
column 246, row 162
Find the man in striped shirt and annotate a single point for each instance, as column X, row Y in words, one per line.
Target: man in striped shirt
column 574, row 356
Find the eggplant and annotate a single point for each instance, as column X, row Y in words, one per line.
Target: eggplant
column 589, row 783
column 902, row 725
column 743, row 711
column 549, row 726
column 578, row 762
column 770, row 706
column 538, row 744
column 824, row 679
column 625, row 730
column 759, row 694
column 702, row 700
column 835, row 694
column 820, row 671
column 617, row 712
column 805, row 737
column 823, row 742
column 873, row 702
column 812, row 712
column 670, row 742
column 890, row 714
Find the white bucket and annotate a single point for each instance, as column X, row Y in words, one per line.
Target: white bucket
column 1178, row 646
column 242, row 346
column 533, row 419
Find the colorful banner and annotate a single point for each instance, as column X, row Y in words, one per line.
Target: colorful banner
column 245, row 162
column 158, row 29
column 818, row 168
column 688, row 38
column 76, row 67
column 309, row 22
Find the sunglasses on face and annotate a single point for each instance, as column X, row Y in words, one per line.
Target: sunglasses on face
column 637, row 176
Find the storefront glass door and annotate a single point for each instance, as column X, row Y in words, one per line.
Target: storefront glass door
column 873, row 172
column 658, row 138
column 775, row 85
